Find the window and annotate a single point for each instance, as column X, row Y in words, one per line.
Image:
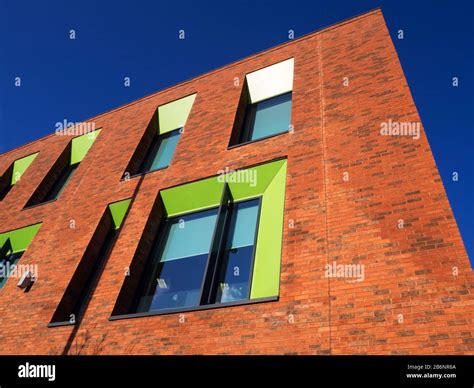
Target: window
column 264, row 108
column 14, row 174
column 61, row 183
column 235, row 271
column 74, row 302
column 63, row 169
column 209, row 243
column 267, row 118
column 182, row 270
column 179, row 262
column 161, row 151
column 13, row 244
column 158, row 144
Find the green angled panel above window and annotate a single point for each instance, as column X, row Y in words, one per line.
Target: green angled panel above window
column 194, row 196
column 81, row 145
column 266, row 181
column 20, row 238
column 20, row 166
column 118, row 210
column 174, row 115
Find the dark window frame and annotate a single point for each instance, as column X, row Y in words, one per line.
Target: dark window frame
column 61, row 183
column 254, row 251
column 214, row 263
column 6, row 182
column 49, row 181
column 245, row 120
column 142, row 150
column 153, row 149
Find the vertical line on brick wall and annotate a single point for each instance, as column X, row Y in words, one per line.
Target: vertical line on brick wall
column 324, row 159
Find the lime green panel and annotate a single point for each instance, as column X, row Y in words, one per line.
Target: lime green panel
column 266, row 272
column 81, row 145
column 20, row 166
column 20, row 238
column 118, row 211
column 251, row 182
column 192, row 196
column 174, row 115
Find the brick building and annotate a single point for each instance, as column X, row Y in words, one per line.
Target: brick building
column 282, row 204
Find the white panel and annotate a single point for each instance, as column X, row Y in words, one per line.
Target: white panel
column 271, row 81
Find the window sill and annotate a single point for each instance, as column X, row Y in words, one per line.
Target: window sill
column 143, row 174
column 39, row 204
column 57, row 324
column 256, row 140
column 195, row 308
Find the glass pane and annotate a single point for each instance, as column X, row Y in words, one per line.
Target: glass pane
column 272, row 116
column 189, row 235
column 163, row 151
column 7, row 265
column 179, row 283
column 234, row 277
column 180, row 263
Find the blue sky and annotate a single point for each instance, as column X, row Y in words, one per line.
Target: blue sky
column 77, row 79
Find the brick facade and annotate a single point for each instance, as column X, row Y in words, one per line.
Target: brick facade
column 347, row 189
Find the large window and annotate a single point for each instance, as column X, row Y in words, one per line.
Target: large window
column 209, row 243
column 161, row 151
column 197, row 260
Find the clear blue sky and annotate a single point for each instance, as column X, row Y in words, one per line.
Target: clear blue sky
column 77, row 79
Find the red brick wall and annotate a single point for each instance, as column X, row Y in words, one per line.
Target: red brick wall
column 409, row 301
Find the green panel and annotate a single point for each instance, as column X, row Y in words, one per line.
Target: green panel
column 266, row 272
column 20, row 238
column 118, row 211
column 81, row 145
column 174, row 115
column 20, row 166
column 207, row 193
column 192, row 196
column 253, row 181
